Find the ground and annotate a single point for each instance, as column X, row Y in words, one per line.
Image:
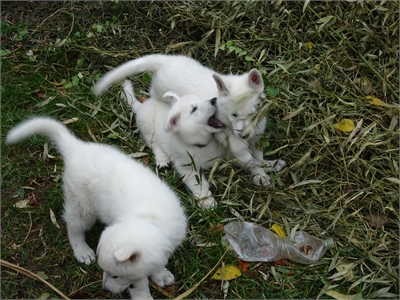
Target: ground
column 331, row 72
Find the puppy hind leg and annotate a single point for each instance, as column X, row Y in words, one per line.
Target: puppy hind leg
column 76, row 227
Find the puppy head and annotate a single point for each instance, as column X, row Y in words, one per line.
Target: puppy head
column 131, row 250
column 239, row 97
column 192, row 119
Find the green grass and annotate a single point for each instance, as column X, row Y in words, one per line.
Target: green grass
column 333, row 182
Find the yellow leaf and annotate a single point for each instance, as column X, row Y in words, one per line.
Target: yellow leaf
column 340, row 296
column 309, row 45
column 375, row 101
column 278, row 230
column 230, row 272
column 345, row 125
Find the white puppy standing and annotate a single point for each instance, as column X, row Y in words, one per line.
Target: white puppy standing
column 145, row 219
column 181, row 133
column 238, row 97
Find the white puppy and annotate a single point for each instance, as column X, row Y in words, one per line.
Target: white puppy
column 238, row 97
column 145, row 219
column 180, row 132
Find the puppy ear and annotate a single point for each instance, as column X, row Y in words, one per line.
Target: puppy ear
column 124, row 254
column 172, row 121
column 221, row 85
column 170, row 97
column 255, row 80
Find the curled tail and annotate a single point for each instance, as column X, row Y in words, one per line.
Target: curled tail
column 52, row 129
column 129, row 95
column 149, row 63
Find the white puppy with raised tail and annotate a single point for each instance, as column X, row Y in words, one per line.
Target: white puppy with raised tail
column 180, row 132
column 238, row 98
column 145, row 220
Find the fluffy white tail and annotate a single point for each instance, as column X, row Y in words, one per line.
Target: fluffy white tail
column 52, row 129
column 148, row 63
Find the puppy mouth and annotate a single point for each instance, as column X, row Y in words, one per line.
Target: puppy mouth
column 214, row 122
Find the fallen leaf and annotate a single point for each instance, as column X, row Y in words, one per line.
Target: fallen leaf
column 225, row 287
column 215, row 229
column 32, row 200
column 282, row 262
column 340, row 296
column 22, row 203
column 74, row 119
column 309, row 45
column 278, row 230
column 346, row 270
column 53, row 219
column 230, row 272
column 80, row 295
column 44, row 296
column 146, row 159
column 377, row 220
column 243, row 265
column 345, row 125
column 42, row 275
column 375, row 101
column 142, row 99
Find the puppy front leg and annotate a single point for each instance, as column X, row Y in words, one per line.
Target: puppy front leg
column 140, row 289
column 163, row 277
column 198, row 185
column 245, row 156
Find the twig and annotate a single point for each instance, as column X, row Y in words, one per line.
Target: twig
column 194, row 287
column 31, row 275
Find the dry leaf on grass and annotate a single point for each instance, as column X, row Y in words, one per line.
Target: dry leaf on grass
column 340, row 296
column 53, row 219
column 243, row 265
column 377, row 220
column 22, row 203
column 278, row 230
column 375, row 101
column 230, row 272
column 345, row 125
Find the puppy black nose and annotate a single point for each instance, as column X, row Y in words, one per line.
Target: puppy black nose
column 213, row 101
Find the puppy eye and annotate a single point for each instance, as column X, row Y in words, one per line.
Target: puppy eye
column 234, row 115
column 114, row 277
column 194, row 109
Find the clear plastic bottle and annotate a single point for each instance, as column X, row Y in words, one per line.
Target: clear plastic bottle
column 252, row 242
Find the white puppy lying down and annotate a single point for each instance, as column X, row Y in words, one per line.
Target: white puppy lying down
column 238, row 98
column 144, row 218
column 181, row 133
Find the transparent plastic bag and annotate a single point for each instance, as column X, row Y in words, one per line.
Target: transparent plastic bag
column 252, row 242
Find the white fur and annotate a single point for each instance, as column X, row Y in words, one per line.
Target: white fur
column 238, row 97
column 177, row 134
column 144, row 217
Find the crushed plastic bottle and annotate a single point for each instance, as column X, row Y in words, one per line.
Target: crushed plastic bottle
column 252, row 242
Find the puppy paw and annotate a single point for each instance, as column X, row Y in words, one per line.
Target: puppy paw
column 162, row 161
column 84, row 255
column 261, row 180
column 208, row 203
column 275, row 165
column 163, row 278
